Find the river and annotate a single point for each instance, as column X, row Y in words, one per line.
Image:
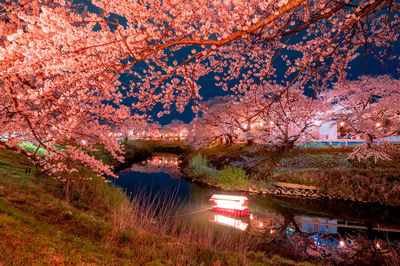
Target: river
column 340, row 219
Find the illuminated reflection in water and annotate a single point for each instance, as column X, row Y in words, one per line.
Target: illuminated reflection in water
column 325, row 223
column 157, row 164
column 229, row 221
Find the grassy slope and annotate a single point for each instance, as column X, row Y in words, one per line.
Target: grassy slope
column 36, row 227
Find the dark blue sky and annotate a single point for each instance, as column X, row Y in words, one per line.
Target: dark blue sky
column 209, row 90
column 373, row 68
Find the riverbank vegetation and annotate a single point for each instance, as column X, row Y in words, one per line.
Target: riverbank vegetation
column 328, row 168
column 99, row 224
column 96, row 223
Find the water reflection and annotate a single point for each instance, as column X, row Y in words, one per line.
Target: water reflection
column 272, row 221
column 316, row 237
column 310, row 225
column 158, row 164
column 229, row 221
column 308, row 216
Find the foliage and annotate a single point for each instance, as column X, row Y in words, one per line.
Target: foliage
column 367, row 108
column 232, row 177
column 32, row 148
column 367, row 151
column 247, row 119
column 61, row 62
column 198, row 167
column 234, row 150
column 39, row 227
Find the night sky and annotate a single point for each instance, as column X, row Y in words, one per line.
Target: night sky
column 209, row 90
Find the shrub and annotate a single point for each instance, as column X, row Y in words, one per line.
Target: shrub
column 198, row 167
column 232, row 177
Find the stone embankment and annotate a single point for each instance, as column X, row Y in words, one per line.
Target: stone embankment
column 276, row 189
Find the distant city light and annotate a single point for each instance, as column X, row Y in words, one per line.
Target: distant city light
column 341, row 243
column 378, row 124
column 341, row 123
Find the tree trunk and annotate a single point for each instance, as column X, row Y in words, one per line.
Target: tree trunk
column 250, row 142
column 370, row 141
column 287, row 144
column 67, row 191
column 228, row 139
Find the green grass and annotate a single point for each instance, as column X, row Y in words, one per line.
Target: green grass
column 198, row 167
column 226, row 150
column 38, row 226
column 29, row 147
column 232, row 177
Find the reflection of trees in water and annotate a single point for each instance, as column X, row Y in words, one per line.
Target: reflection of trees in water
column 333, row 210
column 274, row 237
column 159, row 163
column 326, row 248
column 282, row 233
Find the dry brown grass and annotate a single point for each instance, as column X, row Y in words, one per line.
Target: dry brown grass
column 159, row 216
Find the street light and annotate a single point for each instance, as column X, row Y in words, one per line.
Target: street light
column 378, row 124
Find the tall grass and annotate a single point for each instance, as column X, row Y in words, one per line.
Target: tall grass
column 198, row 167
column 158, row 216
column 161, row 215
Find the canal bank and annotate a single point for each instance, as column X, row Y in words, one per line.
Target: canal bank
column 159, row 174
column 303, row 172
column 98, row 225
column 320, row 227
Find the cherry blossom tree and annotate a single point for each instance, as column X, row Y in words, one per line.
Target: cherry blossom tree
column 213, row 125
column 292, row 118
column 61, row 64
column 176, row 130
column 368, row 107
column 285, row 123
column 243, row 117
